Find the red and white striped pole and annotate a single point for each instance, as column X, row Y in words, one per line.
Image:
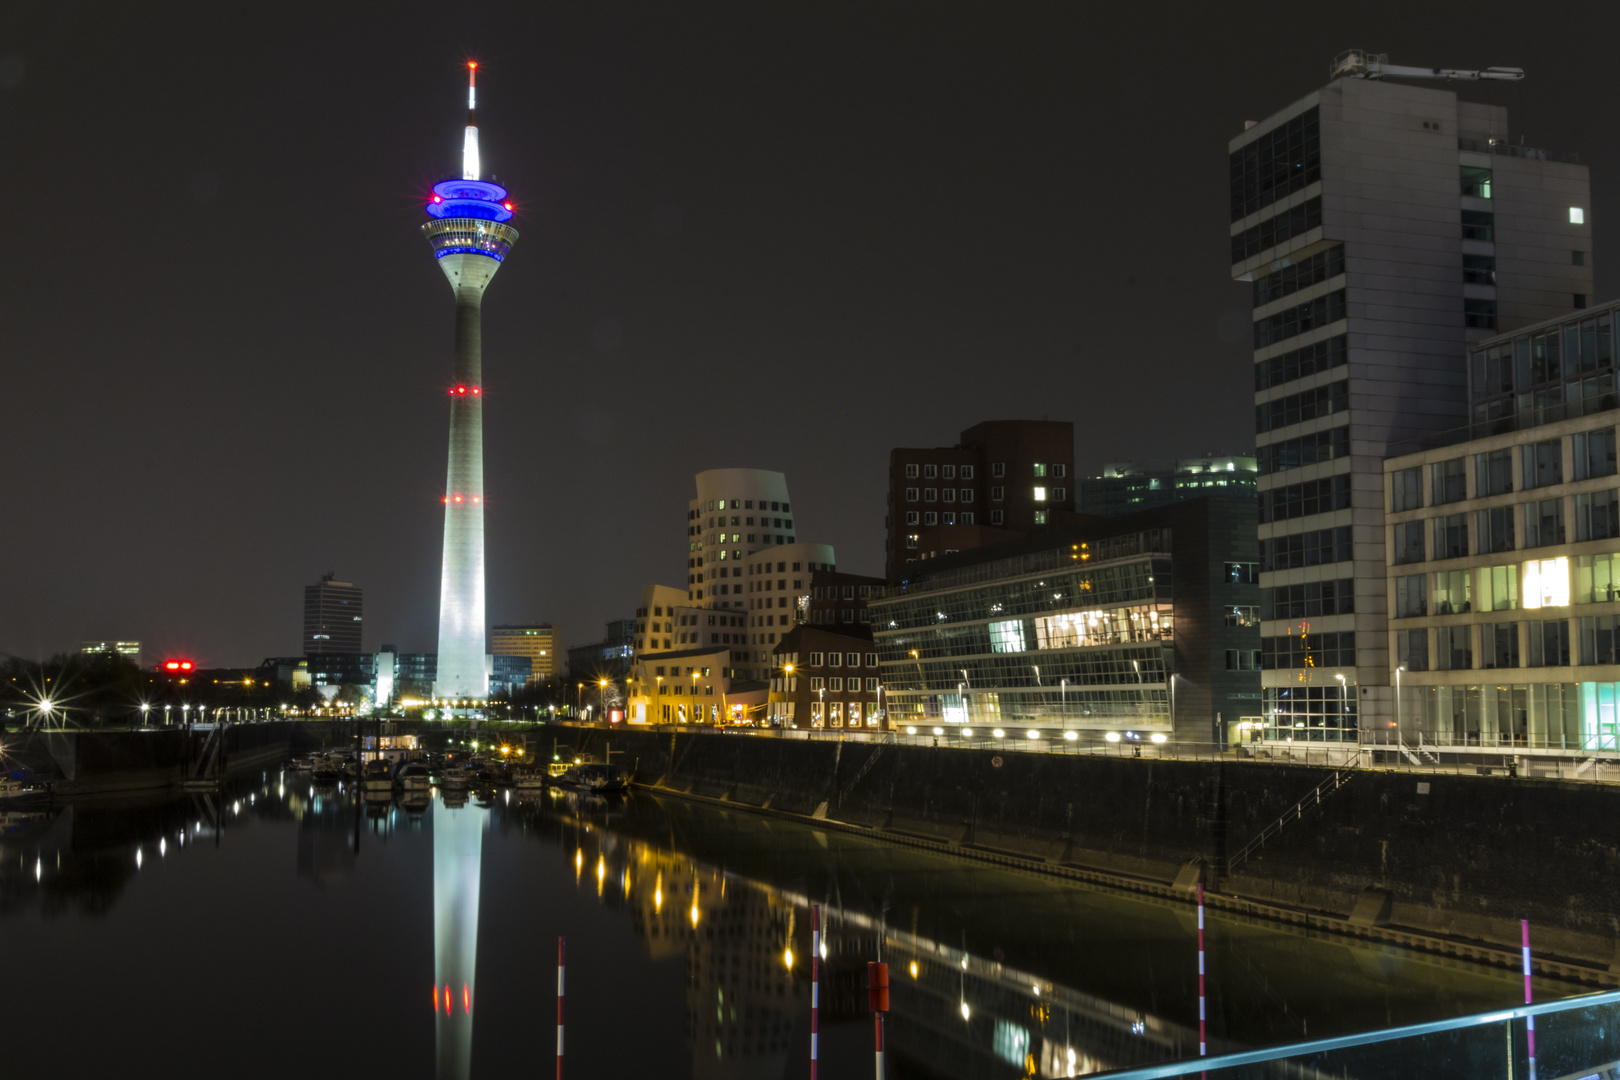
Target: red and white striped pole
column 1202, row 1045
column 562, row 953
column 877, row 992
column 815, row 981
column 1530, row 1021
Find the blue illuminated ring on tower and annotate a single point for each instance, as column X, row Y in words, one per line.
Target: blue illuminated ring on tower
column 469, row 199
column 469, row 236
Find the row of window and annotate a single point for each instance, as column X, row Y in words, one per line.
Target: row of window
column 1277, row 229
column 1597, row 517
column 1306, row 405
column 1299, row 319
column 930, row 517
column 1308, row 600
column 764, row 523
column 1300, row 362
column 948, row 495
column 1555, row 582
column 1538, row 359
column 1304, row 450
column 1301, row 275
column 1308, row 650
column 833, row 684
column 1314, row 548
column 1537, row 643
column 1593, row 454
column 949, row 472
column 1284, row 160
column 744, row 504
column 1303, row 500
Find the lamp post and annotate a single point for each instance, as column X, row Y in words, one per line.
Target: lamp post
column 1398, row 717
column 601, row 693
column 1344, row 693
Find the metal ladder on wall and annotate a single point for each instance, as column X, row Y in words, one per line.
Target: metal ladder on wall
column 1313, row 799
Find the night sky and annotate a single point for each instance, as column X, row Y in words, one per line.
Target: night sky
column 783, row 235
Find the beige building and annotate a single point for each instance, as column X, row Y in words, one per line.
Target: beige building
column 537, row 641
column 1504, row 551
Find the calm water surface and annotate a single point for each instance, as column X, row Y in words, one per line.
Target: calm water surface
column 289, row 929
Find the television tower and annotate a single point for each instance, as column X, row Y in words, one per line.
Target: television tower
column 470, row 238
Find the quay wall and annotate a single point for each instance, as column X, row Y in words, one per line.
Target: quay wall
column 92, row 762
column 1451, row 856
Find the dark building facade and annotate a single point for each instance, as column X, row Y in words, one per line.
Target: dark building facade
column 332, row 616
column 609, row 658
column 1140, row 627
column 838, row 599
column 1005, row 474
column 821, row 677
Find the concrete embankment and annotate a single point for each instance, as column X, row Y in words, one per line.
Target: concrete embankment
column 1445, row 863
column 93, row 762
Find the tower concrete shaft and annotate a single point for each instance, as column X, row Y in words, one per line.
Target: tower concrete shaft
column 461, row 671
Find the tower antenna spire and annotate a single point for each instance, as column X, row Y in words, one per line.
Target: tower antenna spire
column 469, row 145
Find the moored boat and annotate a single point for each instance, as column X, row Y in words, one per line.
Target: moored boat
column 378, row 780
column 596, row 779
column 412, row 777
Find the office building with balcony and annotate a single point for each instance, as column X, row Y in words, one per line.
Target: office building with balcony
column 332, row 616
column 1380, row 230
column 1503, row 543
column 1128, row 486
column 1140, row 627
column 1000, row 474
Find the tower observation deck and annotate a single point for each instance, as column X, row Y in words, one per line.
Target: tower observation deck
column 470, row 238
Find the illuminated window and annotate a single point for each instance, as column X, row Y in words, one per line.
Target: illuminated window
column 1040, row 517
column 1007, row 636
column 1040, row 494
column 1577, row 216
column 1546, row 583
column 1040, row 470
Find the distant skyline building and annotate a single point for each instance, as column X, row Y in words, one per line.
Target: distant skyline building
column 1379, row 229
column 333, row 616
column 1000, row 474
column 470, row 237
column 1128, row 486
column 129, row 650
column 537, row 641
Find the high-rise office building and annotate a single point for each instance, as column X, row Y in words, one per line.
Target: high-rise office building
column 537, row 641
column 1379, row 229
column 129, row 650
column 1005, row 474
column 470, row 237
column 1128, row 486
column 333, row 613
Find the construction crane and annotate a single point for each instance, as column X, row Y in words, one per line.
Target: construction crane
column 1359, row 64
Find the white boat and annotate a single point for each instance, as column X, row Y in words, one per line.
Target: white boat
column 455, row 776
column 378, row 780
column 327, row 766
column 412, row 778
column 15, row 792
column 529, row 777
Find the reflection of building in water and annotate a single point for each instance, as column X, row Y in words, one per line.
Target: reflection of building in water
column 325, row 835
column 458, row 836
column 742, row 998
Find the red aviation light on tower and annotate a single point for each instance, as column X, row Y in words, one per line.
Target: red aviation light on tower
column 178, row 665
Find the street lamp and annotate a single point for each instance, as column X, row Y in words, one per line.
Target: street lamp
column 1398, row 699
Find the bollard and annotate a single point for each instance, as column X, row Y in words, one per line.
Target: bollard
column 815, row 980
column 877, row 996
column 562, row 949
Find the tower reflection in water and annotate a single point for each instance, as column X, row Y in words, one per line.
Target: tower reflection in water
column 458, row 839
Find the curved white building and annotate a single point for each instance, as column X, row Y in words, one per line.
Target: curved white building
column 737, row 513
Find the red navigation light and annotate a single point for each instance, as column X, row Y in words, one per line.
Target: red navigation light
column 466, row 998
column 472, row 63
column 172, row 665
column 447, row 999
column 177, row 665
column 447, row 500
column 437, row 198
column 461, row 389
column 477, row 498
column 475, row 390
column 507, row 205
column 458, row 498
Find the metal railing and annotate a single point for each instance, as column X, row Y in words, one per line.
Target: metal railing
column 1295, row 813
column 1574, row 1037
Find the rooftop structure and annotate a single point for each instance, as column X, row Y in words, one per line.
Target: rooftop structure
column 1127, row 486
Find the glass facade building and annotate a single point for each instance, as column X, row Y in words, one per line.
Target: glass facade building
column 1140, row 628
